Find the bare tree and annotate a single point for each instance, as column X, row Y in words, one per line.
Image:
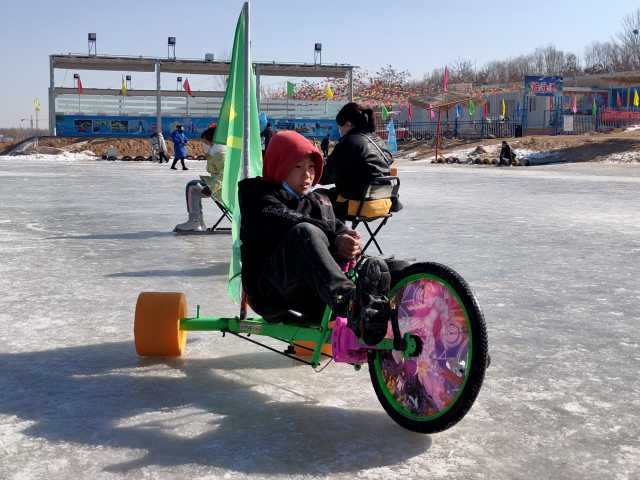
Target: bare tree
column 629, row 39
column 571, row 64
column 390, row 76
column 463, row 70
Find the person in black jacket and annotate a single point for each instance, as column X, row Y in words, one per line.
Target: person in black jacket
column 357, row 158
column 292, row 245
column 267, row 133
column 324, row 145
column 506, row 155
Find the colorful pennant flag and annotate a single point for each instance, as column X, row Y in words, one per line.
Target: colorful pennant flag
column 594, row 107
column 445, row 81
column 80, row 89
column 36, row 104
column 230, row 132
column 458, row 111
column 410, row 112
column 391, row 137
column 123, row 87
column 472, row 108
column 263, row 120
column 485, row 110
column 432, row 114
column 574, row 104
column 636, row 99
column 618, row 100
column 186, row 86
column 328, row 93
column 384, row 113
column 503, row 113
column 291, row 89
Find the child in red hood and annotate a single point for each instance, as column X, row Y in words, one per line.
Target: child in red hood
column 292, row 245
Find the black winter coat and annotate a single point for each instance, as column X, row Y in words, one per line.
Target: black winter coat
column 268, row 212
column 355, row 161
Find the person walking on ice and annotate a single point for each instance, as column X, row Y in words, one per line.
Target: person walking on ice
column 179, row 147
column 159, row 147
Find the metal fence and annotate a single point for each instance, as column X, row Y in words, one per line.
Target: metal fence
column 565, row 122
column 471, row 129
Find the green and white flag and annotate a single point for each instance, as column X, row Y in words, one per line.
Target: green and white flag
column 230, row 132
column 291, row 89
column 384, row 113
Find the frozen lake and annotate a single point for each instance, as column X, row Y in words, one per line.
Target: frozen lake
column 551, row 252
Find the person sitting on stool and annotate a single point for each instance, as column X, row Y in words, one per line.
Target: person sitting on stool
column 206, row 187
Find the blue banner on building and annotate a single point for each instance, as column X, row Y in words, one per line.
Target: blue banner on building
column 310, row 128
column 126, row 126
column 541, row 86
column 141, row 127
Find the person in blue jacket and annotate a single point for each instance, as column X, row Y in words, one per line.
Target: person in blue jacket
column 179, row 146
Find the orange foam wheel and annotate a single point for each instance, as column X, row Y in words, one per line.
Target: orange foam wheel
column 157, row 324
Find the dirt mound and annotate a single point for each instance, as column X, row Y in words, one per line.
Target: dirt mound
column 5, row 147
column 132, row 147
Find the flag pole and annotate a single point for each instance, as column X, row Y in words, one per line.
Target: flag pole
column 245, row 99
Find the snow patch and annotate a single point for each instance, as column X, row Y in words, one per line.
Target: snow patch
column 623, row 157
column 72, row 156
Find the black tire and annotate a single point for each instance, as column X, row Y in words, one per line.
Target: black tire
column 126, row 158
column 139, row 158
column 461, row 376
column 202, row 157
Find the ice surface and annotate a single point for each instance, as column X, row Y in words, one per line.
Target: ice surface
column 552, row 253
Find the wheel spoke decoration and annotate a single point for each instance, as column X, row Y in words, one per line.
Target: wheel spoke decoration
column 426, row 386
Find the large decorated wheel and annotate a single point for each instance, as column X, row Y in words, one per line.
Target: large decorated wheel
column 433, row 390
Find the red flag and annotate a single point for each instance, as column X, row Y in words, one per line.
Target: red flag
column 445, row 81
column 410, row 112
column 618, row 100
column 485, row 110
column 187, row 87
column 432, row 114
column 574, row 105
column 80, row 89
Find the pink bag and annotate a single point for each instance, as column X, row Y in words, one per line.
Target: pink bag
column 344, row 344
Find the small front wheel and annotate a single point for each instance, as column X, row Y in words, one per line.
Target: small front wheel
column 157, row 324
column 434, row 390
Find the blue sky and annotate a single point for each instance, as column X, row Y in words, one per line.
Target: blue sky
column 413, row 35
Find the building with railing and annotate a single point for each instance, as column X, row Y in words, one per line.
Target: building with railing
column 136, row 113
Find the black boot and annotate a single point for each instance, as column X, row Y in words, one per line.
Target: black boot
column 370, row 316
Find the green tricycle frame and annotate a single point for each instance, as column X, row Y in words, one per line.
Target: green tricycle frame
column 426, row 373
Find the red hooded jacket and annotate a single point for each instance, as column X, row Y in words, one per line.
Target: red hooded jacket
column 285, row 149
